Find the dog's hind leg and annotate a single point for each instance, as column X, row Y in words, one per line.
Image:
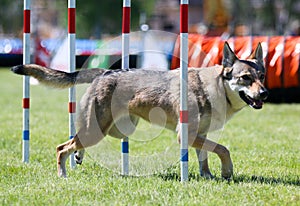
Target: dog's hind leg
column 63, row 151
column 83, row 139
column 79, row 154
column 203, row 164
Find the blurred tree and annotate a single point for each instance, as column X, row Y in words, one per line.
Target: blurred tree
column 96, row 17
column 11, row 17
column 270, row 17
column 93, row 17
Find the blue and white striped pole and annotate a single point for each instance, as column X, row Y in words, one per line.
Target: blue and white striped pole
column 26, row 86
column 72, row 67
column 184, row 90
column 125, row 65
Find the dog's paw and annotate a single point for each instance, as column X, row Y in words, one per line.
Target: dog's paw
column 61, row 171
column 227, row 171
column 206, row 175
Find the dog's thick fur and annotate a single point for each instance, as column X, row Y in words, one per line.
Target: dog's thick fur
column 115, row 101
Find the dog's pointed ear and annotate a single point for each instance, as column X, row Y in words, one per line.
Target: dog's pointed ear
column 257, row 53
column 228, row 56
column 228, row 60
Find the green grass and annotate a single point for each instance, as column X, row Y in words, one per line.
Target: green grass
column 264, row 147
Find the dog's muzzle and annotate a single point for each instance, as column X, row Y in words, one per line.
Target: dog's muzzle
column 255, row 103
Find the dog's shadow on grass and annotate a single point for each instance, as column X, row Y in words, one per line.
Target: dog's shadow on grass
column 173, row 174
column 266, row 180
column 240, row 178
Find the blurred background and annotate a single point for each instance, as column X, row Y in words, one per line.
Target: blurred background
column 96, row 19
column 102, row 19
column 98, row 29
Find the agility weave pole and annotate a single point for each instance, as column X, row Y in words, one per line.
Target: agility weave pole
column 183, row 84
column 72, row 67
column 184, row 156
column 26, row 86
column 125, row 65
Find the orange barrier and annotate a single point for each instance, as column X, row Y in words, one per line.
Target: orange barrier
column 291, row 62
column 281, row 55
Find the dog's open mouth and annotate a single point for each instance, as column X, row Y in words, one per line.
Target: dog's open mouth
column 254, row 103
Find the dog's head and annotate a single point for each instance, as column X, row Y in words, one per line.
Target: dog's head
column 244, row 78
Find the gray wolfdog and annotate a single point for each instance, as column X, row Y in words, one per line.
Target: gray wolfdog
column 115, row 101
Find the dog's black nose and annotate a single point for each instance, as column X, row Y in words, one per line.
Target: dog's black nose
column 263, row 94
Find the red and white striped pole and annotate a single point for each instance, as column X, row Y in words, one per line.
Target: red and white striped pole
column 72, row 67
column 184, row 89
column 125, row 65
column 26, row 86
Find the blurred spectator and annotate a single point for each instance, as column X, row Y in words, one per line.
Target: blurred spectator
column 241, row 30
column 295, row 28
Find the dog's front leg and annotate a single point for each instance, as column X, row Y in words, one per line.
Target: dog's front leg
column 220, row 150
column 203, row 164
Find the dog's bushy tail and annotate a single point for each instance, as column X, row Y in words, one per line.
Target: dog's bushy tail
column 55, row 78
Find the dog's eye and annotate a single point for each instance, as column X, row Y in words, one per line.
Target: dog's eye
column 246, row 78
column 261, row 76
